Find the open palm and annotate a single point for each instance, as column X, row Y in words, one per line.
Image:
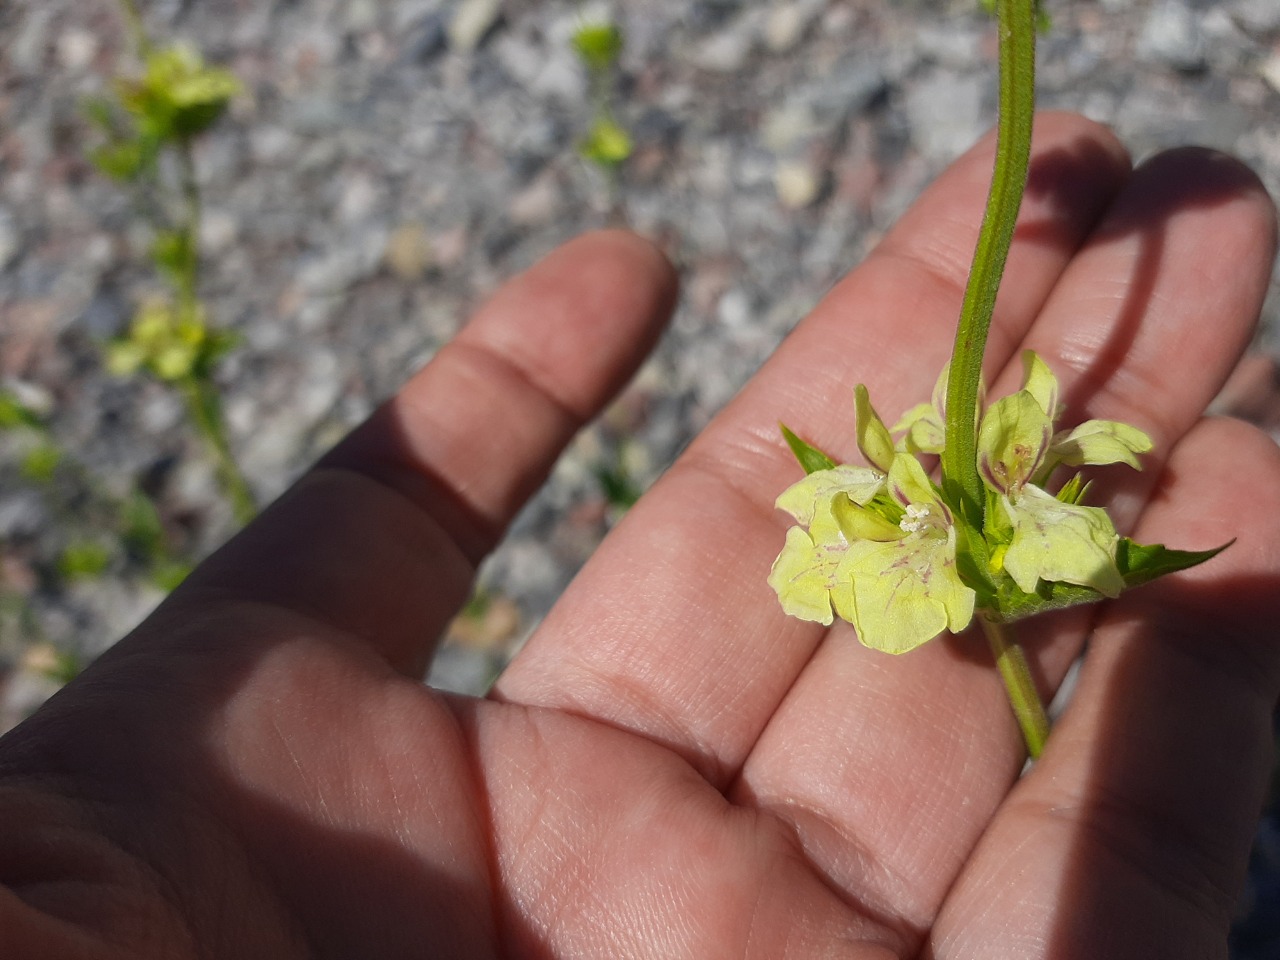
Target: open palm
column 671, row 767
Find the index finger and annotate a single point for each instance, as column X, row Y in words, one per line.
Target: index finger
column 381, row 538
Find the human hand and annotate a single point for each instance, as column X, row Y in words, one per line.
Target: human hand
column 671, row 767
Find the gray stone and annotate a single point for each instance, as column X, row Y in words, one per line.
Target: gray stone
column 1270, row 71
column 1171, row 35
column 798, row 184
column 787, row 125
column 28, row 45
column 219, row 229
column 426, row 40
column 271, row 144
column 22, row 514
column 788, row 23
column 10, row 242
column 537, row 203
column 546, row 70
column 472, row 21
column 847, row 89
column 946, row 114
column 725, row 51
column 344, row 264
column 953, row 45
column 117, row 605
column 76, row 49
column 1258, row 18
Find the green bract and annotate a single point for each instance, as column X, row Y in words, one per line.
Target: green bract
column 881, row 547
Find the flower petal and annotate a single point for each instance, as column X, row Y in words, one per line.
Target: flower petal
column 909, row 484
column 1012, row 441
column 905, row 592
column 804, row 574
column 802, row 499
column 1060, row 542
column 1101, row 441
column 923, row 430
column 1039, row 381
column 873, row 436
column 861, row 523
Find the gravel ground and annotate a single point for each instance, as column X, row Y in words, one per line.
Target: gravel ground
column 391, row 161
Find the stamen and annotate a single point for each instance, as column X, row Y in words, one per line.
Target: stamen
column 914, row 519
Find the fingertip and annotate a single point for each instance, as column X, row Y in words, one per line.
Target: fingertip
column 599, row 301
column 614, row 267
column 1175, row 182
column 1074, row 158
column 1222, row 483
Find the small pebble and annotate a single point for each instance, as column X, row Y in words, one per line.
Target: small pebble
column 472, row 21
column 798, row 185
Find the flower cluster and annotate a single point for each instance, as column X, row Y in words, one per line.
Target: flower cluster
column 174, row 342
column 177, row 97
column 881, row 547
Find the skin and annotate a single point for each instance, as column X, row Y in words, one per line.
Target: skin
column 671, row 767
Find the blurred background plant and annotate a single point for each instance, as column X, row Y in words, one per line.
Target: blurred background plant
column 598, row 46
column 150, row 124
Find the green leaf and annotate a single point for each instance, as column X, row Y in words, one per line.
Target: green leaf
column 607, row 143
column 1074, row 490
column 174, row 254
column 598, row 45
column 619, row 489
column 122, row 159
column 1015, row 604
column 14, row 413
column 60, row 666
column 40, row 465
column 83, row 560
column 810, row 457
column 101, row 112
column 141, row 527
column 1141, row 564
column 167, row 574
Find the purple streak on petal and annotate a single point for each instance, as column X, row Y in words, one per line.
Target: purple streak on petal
column 989, row 474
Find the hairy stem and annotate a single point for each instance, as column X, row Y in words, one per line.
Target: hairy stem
column 206, row 413
column 1013, row 150
column 1023, row 696
column 190, row 186
column 961, row 484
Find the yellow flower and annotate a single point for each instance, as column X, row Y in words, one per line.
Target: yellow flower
column 1050, row 540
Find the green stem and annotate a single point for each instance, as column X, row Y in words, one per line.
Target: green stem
column 1023, row 696
column 1017, row 25
column 137, row 30
column 961, row 483
column 191, row 226
column 202, row 402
